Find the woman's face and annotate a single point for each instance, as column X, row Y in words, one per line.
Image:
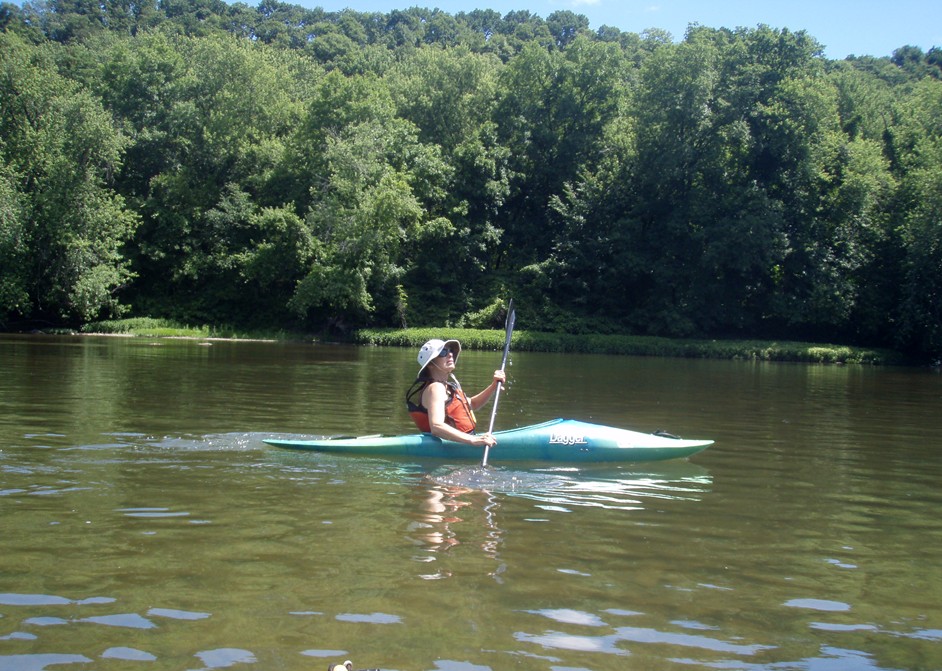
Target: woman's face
column 445, row 361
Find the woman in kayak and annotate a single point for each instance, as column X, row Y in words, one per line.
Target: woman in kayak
column 436, row 402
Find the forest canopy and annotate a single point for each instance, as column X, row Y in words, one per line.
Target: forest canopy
column 287, row 167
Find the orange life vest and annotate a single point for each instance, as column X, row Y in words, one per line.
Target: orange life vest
column 458, row 412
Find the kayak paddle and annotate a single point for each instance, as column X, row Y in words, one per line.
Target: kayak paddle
column 511, row 318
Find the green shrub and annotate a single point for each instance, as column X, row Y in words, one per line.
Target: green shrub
column 537, row 341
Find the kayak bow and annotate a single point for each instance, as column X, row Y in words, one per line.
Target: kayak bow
column 561, row 440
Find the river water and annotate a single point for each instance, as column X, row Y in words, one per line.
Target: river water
column 145, row 525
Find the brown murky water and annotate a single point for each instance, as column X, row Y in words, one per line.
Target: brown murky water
column 144, row 525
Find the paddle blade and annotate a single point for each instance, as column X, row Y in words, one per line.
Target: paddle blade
column 511, row 320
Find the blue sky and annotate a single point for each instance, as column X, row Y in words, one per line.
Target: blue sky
column 844, row 27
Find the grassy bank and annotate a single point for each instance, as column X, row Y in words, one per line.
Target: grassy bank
column 534, row 341
column 164, row 328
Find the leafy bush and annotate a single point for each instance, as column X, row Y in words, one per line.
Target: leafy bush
column 145, row 326
column 538, row 341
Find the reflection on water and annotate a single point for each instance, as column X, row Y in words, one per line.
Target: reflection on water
column 219, row 658
column 443, row 509
column 624, row 488
column 612, row 643
column 455, row 503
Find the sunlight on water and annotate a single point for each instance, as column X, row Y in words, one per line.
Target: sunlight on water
column 128, row 654
column 622, row 490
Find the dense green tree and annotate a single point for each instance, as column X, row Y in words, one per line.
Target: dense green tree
column 206, row 114
column 733, row 182
column 337, row 101
column 566, row 26
column 249, row 262
column 522, row 28
column 487, row 22
column 674, row 109
column 14, row 253
column 196, row 17
column 63, row 227
column 701, row 236
column 373, row 187
column 934, row 59
column 16, row 19
column 370, row 206
column 450, row 96
column 918, row 137
column 553, row 108
column 865, row 102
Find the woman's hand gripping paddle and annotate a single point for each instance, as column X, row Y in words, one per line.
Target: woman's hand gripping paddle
column 511, row 318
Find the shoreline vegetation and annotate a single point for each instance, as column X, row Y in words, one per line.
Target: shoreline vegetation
column 532, row 341
column 282, row 167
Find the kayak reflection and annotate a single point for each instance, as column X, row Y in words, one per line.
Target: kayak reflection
column 462, row 506
column 614, row 488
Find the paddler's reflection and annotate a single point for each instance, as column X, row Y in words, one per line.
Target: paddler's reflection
column 440, row 510
column 451, row 515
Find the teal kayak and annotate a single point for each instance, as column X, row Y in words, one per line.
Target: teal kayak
column 559, row 440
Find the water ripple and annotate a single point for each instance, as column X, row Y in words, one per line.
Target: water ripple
column 173, row 614
column 40, row 662
column 611, row 643
column 221, row 658
column 371, row 618
column 33, row 600
column 560, row 489
column 128, row 654
column 128, row 620
column 818, row 604
column 151, row 512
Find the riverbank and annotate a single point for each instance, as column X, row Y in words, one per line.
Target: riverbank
column 148, row 327
column 533, row 341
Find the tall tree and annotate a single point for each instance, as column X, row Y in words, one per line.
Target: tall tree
column 450, row 95
column 210, row 117
column 552, row 112
column 62, row 224
column 374, row 187
column 918, row 141
column 566, row 26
